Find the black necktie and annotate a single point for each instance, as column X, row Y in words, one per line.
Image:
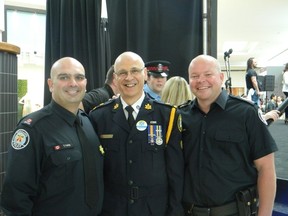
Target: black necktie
column 130, row 115
column 89, row 164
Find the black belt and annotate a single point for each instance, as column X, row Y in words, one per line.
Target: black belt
column 137, row 192
column 227, row 209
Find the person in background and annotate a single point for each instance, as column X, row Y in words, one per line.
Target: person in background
column 285, row 89
column 143, row 165
column 100, row 95
column 158, row 72
column 272, row 114
column 176, row 91
column 228, row 150
column 271, row 104
column 27, row 105
column 46, row 161
column 253, row 91
column 279, row 100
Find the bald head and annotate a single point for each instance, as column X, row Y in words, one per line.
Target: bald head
column 67, row 83
column 130, row 75
column 64, row 63
column 206, row 59
column 205, row 80
column 129, row 57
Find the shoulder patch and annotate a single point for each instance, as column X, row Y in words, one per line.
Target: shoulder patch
column 20, row 139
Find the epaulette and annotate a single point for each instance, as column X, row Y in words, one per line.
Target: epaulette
column 242, row 99
column 103, row 104
column 187, row 103
column 164, row 104
column 33, row 118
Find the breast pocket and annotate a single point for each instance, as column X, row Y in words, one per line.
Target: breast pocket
column 109, row 143
column 65, row 156
column 228, row 146
column 228, row 140
column 154, row 156
column 63, row 171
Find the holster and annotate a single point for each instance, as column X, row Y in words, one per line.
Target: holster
column 247, row 201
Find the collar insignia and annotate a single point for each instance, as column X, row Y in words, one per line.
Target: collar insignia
column 116, row 106
column 148, row 106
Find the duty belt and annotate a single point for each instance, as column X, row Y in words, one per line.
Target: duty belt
column 137, row 192
column 227, row 209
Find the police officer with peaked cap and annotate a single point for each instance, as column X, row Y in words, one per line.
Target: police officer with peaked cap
column 157, row 72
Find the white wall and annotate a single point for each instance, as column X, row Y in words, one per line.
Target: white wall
column 27, row 31
column 1, row 18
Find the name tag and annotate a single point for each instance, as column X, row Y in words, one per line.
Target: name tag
column 62, row 146
column 106, row 136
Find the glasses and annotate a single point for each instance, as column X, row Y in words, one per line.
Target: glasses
column 124, row 73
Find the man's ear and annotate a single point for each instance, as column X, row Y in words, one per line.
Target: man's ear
column 50, row 84
column 145, row 74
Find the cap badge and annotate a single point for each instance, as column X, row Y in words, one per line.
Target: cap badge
column 160, row 67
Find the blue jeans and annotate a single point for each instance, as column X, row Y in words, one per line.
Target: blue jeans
column 255, row 98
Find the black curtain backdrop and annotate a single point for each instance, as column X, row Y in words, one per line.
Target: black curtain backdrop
column 155, row 29
column 73, row 29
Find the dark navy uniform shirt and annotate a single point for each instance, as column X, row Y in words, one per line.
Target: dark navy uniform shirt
column 45, row 169
column 220, row 147
column 97, row 96
column 143, row 176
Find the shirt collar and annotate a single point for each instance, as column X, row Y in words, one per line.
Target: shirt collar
column 220, row 101
column 149, row 91
column 63, row 113
column 136, row 106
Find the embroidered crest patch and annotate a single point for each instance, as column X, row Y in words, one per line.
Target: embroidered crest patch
column 20, row 139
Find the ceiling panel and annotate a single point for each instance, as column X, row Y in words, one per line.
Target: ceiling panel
column 253, row 28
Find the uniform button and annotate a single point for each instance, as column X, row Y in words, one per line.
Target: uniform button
column 130, row 141
column 130, row 182
column 131, row 201
column 130, row 161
